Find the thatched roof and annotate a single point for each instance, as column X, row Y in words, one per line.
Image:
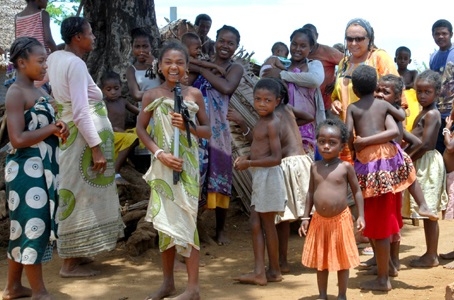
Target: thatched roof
column 8, row 9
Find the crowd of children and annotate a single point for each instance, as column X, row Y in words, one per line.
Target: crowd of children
column 397, row 170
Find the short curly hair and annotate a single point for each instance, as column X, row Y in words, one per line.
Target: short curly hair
column 334, row 122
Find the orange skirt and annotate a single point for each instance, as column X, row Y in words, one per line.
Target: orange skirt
column 330, row 243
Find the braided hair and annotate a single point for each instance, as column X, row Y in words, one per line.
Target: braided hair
column 21, row 48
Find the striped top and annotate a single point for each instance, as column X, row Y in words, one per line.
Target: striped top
column 31, row 26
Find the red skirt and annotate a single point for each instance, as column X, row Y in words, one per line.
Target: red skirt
column 382, row 215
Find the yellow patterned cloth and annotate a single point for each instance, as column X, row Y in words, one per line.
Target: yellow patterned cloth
column 413, row 108
column 173, row 207
column 123, row 140
column 431, row 175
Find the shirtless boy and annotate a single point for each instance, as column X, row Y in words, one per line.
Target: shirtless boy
column 267, row 183
column 116, row 108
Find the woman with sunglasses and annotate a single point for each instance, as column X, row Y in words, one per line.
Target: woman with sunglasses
column 359, row 43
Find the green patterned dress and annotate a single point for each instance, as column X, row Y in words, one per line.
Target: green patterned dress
column 173, row 208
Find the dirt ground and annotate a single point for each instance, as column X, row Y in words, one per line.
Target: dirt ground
column 130, row 278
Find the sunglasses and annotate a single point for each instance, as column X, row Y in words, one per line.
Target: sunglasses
column 357, row 39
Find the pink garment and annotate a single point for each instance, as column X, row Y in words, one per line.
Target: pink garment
column 449, row 214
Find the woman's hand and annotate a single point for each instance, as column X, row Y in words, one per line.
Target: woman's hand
column 63, row 131
column 99, row 161
column 336, row 107
column 171, row 161
column 177, row 121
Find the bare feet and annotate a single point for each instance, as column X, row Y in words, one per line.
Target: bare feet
column 424, row 261
column 447, row 256
column 85, row 260
column 374, row 271
column 78, row 271
column 252, row 278
column 187, row 295
column 221, row 238
column 43, row 296
column 376, row 285
column 368, row 263
column 449, row 266
column 17, row 292
column 285, row 268
column 273, row 277
column 163, row 292
column 424, row 211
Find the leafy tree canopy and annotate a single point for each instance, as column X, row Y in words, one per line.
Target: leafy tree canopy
column 60, row 10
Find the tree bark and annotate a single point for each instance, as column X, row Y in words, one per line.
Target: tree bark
column 112, row 22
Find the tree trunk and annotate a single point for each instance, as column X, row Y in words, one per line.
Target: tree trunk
column 112, row 22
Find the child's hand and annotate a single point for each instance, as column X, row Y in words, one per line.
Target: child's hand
column 448, row 123
column 242, row 163
column 360, row 223
column 359, row 144
column 63, row 131
column 177, row 121
column 303, row 228
column 221, row 70
column 234, row 116
column 150, row 59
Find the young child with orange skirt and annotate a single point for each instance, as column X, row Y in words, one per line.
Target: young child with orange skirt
column 330, row 243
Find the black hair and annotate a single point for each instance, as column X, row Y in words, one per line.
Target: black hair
column 232, row 30
column 110, row 75
column 283, row 90
column 189, row 36
column 442, row 23
column 21, row 48
column 70, row 27
column 403, row 49
column 312, row 28
column 269, row 84
column 334, row 122
column 201, row 17
column 277, row 45
column 140, row 32
column 431, row 76
column 305, row 31
column 398, row 85
column 340, row 47
column 364, row 80
column 173, row 44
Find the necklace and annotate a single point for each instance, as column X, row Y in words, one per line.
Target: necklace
column 332, row 162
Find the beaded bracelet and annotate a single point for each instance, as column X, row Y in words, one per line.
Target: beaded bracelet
column 159, row 151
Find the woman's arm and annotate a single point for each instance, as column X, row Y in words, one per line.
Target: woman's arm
column 225, row 85
column 313, row 78
column 133, row 86
column 18, row 137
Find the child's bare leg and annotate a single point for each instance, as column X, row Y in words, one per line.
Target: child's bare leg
column 221, row 216
column 342, row 281
column 74, row 267
column 322, row 283
column 14, row 288
column 395, row 248
column 381, row 283
column 167, row 287
column 258, row 245
column 415, row 190
column 273, row 274
column 35, row 278
column 371, row 261
column 430, row 258
column 192, row 266
column 283, row 233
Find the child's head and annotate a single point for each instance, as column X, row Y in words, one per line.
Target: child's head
column 192, row 41
column 389, row 88
column 267, row 96
column 402, row 57
column 280, row 49
column 41, row 4
column 313, row 29
column 340, row 47
column 364, row 80
column 301, row 44
column 111, row 85
column 29, row 57
column 428, row 87
column 331, row 135
column 141, row 44
column 173, row 61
